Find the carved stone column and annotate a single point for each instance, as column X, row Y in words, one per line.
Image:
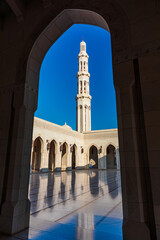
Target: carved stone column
column 148, row 71
column 58, row 158
column 44, row 157
column 69, row 159
column 15, row 206
column 137, row 219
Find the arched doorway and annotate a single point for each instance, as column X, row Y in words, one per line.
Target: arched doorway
column 64, row 149
column 73, row 150
column 127, row 74
column 111, row 157
column 52, row 156
column 93, row 156
column 37, row 153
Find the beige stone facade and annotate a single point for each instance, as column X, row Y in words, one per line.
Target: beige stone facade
column 61, row 148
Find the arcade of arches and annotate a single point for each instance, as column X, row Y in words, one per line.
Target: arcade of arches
column 28, row 29
column 50, row 152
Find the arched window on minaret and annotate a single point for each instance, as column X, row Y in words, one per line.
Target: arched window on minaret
column 84, row 66
column 84, row 86
column 80, row 86
column 81, row 66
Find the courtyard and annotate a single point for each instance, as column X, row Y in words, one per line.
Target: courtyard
column 78, row 204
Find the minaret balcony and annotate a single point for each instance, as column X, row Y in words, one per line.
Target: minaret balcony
column 83, row 73
column 83, row 54
column 83, row 95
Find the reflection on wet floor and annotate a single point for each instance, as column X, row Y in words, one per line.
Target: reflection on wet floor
column 82, row 204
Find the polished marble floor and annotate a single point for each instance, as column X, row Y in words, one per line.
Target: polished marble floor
column 81, row 204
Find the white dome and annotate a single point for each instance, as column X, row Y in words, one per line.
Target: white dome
column 83, row 42
column 83, row 46
column 66, row 126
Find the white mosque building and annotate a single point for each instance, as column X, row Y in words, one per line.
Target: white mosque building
column 56, row 148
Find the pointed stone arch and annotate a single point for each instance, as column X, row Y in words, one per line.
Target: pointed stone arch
column 22, row 102
column 111, row 157
column 74, row 155
column 52, row 155
column 93, row 156
column 37, row 154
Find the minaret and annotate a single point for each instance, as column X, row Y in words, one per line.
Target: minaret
column 83, row 97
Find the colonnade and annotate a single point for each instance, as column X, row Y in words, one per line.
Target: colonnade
column 62, row 156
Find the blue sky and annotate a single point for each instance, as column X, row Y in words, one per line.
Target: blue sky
column 58, row 82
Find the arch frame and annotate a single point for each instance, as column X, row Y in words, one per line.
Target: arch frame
column 52, row 159
column 76, row 155
column 28, row 91
column 110, row 156
column 51, row 33
column 95, row 145
column 41, row 151
column 56, row 144
column 39, row 136
column 97, row 155
column 110, row 143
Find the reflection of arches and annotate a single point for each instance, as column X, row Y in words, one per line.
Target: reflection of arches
column 73, row 181
column 74, row 150
column 94, row 183
column 64, row 156
column 52, row 155
column 112, row 184
column 93, row 156
column 111, row 157
column 37, row 154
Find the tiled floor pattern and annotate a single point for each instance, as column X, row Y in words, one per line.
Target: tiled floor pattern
column 79, row 205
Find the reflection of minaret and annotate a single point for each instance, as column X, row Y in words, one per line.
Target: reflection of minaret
column 83, row 97
column 85, row 221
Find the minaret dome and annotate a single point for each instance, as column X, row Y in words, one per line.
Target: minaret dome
column 82, row 46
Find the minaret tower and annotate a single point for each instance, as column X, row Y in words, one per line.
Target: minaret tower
column 83, row 97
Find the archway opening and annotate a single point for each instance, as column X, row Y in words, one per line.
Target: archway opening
column 52, row 156
column 36, row 158
column 111, row 157
column 64, row 149
column 23, row 113
column 73, row 149
column 93, row 157
column 77, row 158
